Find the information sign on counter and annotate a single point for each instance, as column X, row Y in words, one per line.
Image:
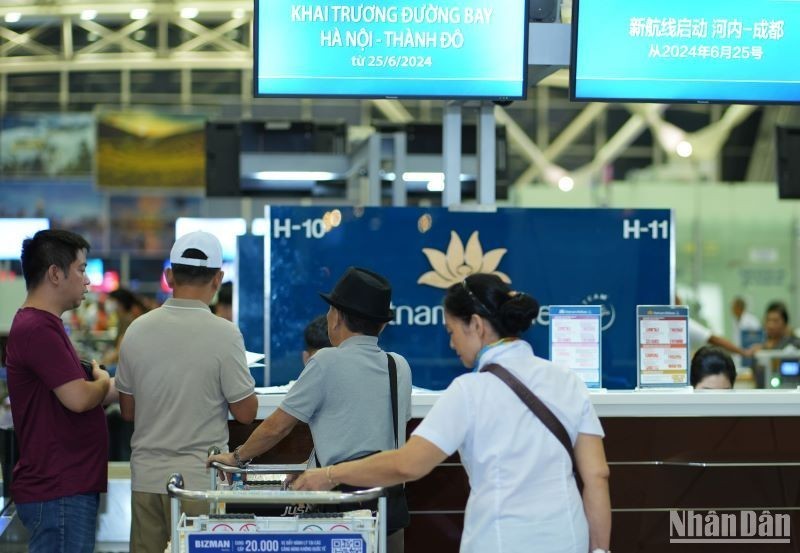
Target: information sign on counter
column 575, row 340
column 663, row 336
column 277, row 543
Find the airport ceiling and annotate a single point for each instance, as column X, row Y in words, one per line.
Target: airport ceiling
column 69, row 55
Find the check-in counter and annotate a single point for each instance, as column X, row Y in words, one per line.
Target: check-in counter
column 712, row 450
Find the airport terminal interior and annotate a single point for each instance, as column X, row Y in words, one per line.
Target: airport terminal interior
column 133, row 123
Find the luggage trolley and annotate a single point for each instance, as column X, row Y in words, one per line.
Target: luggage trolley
column 252, row 477
column 354, row 532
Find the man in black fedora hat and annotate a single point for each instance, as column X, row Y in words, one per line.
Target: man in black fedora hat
column 354, row 396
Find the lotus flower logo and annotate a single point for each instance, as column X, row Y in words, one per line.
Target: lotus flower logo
column 459, row 262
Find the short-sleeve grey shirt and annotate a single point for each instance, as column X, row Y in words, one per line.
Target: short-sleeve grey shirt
column 183, row 365
column 343, row 395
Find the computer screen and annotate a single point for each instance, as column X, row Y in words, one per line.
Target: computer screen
column 787, row 146
column 14, row 231
column 94, row 271
column 726, row 51
column 790, row 367
column 391, row 49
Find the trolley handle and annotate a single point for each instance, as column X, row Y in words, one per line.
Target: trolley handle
column 175, row 488
column 259, row 469
column 254, row 469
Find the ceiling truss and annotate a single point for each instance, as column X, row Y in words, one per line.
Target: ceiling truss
column 59, row 39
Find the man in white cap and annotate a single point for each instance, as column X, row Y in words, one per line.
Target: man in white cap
column 181, row 369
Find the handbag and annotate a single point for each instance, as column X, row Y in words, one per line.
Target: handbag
column 540, row 410
column 397, row 516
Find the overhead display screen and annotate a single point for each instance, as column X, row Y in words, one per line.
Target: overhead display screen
column 391, row 49
column 725, row 51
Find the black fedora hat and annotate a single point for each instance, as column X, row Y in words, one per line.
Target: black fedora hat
column 363, row 293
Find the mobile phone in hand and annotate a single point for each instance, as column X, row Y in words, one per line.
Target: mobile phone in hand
column 87, row 366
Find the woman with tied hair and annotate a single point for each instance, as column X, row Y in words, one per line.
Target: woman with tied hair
column 712, row 369
column 523, row 494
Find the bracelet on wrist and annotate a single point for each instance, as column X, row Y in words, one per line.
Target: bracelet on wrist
column 236, row 457
column 328, row 475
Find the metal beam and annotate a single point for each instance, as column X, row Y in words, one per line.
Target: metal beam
column 520, row 140
column 24, row 41
column 207, row 35
column 487, row 155
column 563, row 141
column 451, row 154
column 109, row 37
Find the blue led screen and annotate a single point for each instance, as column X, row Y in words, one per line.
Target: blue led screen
column 727, row 51
column 393, row 48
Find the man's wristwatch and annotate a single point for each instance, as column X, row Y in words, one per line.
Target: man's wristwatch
column 239, row 463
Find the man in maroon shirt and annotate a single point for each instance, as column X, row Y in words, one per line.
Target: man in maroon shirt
column 58, row 417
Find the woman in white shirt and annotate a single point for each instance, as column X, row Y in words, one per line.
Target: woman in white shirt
column 523, row 496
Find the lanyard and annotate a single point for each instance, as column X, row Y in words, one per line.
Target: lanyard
column 487, row 347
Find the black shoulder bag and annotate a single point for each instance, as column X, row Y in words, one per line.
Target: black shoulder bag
column 540, row 410
column 398, row 516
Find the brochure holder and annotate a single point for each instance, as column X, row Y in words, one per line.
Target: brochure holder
column 662, row 335
column 576, row 341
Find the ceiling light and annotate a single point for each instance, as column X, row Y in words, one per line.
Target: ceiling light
column 412, row 176
column 139, row 13
column 238, row 13
column 88, row 15
column 424, row 223
column 189, row 13
column 436, row 185
column 13, row 17
column 566, row 183
column 294, row 175
column 259, row 226
column 684, row 148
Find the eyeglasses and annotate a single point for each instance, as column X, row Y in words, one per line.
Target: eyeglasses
column 482, row 309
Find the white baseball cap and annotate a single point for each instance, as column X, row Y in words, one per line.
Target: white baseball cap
column 204, row 242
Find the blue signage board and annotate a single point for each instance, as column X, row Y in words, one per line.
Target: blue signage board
column 663, row 335
column 249, row 296
column 276, row 543
column 576, row 340
column 614, row 259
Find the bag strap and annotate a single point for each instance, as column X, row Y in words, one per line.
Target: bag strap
column 539, row 409
column 393, row 392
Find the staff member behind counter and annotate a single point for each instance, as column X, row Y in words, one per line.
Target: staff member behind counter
column 523, row 493
column 343, row 393
column 712, row 369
